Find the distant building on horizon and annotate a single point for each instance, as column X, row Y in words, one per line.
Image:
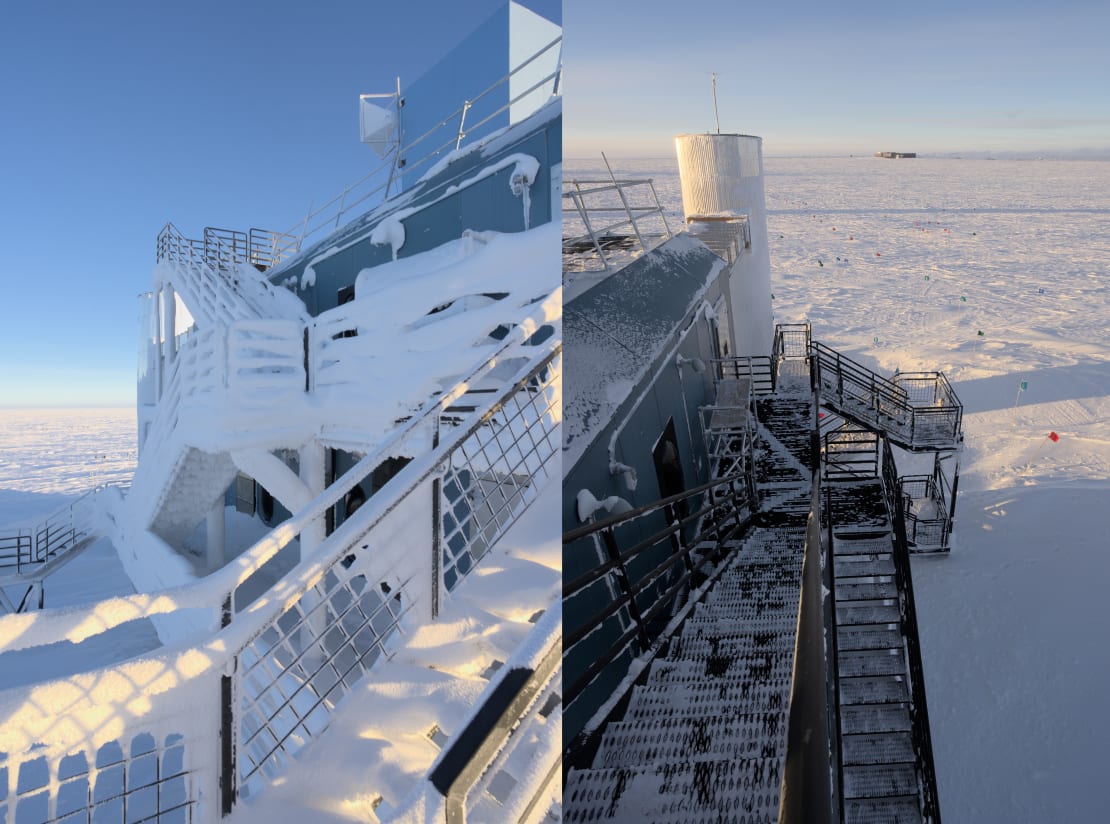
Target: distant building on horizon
column 895, row 155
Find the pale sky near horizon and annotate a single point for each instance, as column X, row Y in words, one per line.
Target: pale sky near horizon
column 122, row 115
column 995, row 76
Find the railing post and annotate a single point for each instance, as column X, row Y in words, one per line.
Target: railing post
column 227, row 726
column 608, row 539
column 462, row 124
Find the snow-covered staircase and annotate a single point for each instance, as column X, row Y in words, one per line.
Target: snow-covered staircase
column 704, row 737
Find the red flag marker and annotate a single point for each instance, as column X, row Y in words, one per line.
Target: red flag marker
column 1052, row 436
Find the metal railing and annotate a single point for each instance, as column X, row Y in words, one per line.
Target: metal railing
column 273, row 675
column 611, row 222
column 917, row 411
column 421, row 154
column 850, row 453
column 23, row 549
column 224, row 248
column 926, row 509
column 792, row 342
column 637, row 584
column 919, row 710
column 758, row 369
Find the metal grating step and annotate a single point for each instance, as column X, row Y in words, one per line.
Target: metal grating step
column 856, row 614
column 886, row 636
column 878, row 591
column 871, row 718
column 722, row 668
column 867, row 544
column 691, row 792
column 872, row 690
column 673, row 739
column 859, row 566
column 775, row 639
column 880, row 780
column 883, row 811
column 696, row 700
column 872, row 663
column 885, row 748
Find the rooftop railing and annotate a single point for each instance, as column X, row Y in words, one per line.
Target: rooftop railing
column 613, row 218
column 421, row 155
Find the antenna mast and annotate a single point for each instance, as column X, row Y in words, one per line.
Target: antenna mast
column 716, row 114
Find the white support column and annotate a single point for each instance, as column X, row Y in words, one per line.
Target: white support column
column 169, row 323
column 217, row 531
column 312, row 460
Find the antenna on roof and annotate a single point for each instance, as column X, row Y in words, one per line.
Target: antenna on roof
column 715, row 113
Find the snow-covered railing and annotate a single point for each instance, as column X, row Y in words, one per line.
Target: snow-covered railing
column 421, row 154
column 273, row 674
column 216, row 277
column 222, row 248
column 611, row 215
column 199, row 369
column 27, row 553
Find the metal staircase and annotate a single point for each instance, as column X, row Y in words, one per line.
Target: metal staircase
column 700, row 725
column 702, row 734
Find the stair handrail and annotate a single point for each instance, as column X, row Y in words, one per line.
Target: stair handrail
column 400, row 165
column 215, row 589
column 731, row 505
column 221, row 657
column 49, row 537
column 919, row 710
column 757, row 368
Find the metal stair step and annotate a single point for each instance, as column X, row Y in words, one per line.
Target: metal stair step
column 873, row 690
column 880, row 780
column 672, row 740
column 880, row 590
column 885, row 636
column 776, row 640
column 872, row 718
column 689, row 792
column 882, row 748
column 871, row 662
column 856, row 614
column 905, row 810
column 866, row 544
column 859, row 566
column 698, row 699
column 722, row 668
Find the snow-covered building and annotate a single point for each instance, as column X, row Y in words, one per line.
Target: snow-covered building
column 740, row 634
column 344, row 431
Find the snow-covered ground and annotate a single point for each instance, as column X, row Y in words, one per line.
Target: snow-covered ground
column 902, row 264
column 50, row 456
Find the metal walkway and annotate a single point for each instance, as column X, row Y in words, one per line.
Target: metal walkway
column 704, row 737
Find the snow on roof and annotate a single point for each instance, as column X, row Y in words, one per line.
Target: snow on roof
column 617, row 329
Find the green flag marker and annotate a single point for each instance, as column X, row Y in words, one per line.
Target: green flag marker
column 963, row 299
column 926, row 277
column 1024, row 385
column 980, row 333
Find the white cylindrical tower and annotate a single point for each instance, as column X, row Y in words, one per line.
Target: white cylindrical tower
column 722, row 177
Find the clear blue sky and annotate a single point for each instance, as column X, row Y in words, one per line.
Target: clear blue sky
column 119, row 116
column 839, row 77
